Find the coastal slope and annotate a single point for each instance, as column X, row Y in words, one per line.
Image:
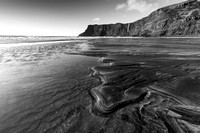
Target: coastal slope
column 182, row 19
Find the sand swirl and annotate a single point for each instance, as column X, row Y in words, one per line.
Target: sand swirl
column 150, row 89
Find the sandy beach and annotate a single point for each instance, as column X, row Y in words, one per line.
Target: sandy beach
column 75, row 85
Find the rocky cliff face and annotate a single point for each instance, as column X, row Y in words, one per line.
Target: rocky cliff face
column 181, row 19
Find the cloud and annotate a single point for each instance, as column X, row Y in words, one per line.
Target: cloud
column 120, row 6
column 140, row 5
column 96, row 19
column 144, row 5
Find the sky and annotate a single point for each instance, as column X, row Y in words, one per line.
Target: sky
column 70, row 17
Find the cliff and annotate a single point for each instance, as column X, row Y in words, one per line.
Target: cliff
column 182, row 19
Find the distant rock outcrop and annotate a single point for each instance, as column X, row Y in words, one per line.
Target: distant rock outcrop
column 181, row 19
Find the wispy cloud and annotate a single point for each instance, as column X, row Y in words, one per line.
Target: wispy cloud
column 144, row 5
column 120, row 6
column 96, row 19
column 140, row 5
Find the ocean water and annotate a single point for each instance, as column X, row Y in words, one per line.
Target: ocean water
column 71, row 84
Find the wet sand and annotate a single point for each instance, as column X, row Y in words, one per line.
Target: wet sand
column 43, row 89
column 101, row 85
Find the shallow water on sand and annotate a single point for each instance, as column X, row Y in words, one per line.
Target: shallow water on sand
column 100, row 85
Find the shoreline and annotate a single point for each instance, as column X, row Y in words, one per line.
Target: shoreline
column 131, row 37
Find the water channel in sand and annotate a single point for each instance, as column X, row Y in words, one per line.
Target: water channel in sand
column 100, row 85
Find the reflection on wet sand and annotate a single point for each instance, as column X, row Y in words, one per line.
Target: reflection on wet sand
column 101, row 85
column 42, row 88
